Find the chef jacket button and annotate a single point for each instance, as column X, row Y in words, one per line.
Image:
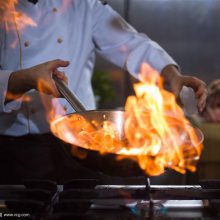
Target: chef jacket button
column 26, row 43
column 54, row 10
column 59, row 40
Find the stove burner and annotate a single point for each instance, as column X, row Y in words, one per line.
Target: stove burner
column 87, row 199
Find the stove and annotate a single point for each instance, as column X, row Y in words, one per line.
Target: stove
column 88, row 199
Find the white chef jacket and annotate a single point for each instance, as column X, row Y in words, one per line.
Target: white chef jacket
column 69, row 30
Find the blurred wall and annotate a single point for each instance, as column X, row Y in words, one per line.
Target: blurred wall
column 189, row 30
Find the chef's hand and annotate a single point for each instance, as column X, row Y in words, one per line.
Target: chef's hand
column 176, row 81
column 38, row 77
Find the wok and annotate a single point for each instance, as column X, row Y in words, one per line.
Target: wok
column 64, row 129
column 67, row 129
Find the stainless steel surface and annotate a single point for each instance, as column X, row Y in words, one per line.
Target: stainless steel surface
column 69, row 96
column 188, row 30
column 68, row 132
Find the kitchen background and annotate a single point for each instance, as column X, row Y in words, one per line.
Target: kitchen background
column 189, row 30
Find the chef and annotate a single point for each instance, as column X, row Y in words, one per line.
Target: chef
column 63, row 37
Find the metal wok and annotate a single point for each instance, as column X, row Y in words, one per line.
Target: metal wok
column 70, row 127
column 67, row 129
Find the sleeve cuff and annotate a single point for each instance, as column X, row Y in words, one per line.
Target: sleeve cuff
column 10, row 106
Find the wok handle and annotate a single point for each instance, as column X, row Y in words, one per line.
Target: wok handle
column 68, row 95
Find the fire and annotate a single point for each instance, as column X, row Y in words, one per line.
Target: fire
column 157, row 129
column 49, row 102
column 11, row 96
column 13, row 19
column 152, row 130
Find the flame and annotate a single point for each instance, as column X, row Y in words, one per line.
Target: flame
column 11, row 96
column 53, row 109
column 153, row 130
column 13, row 19
column 157, row 130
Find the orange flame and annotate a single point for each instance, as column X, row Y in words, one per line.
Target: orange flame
column 11, row 96
column 156, row 128
column 153, row 130
column 12, row 18
column 52, row 106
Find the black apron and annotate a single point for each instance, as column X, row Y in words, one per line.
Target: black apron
column 38, row 157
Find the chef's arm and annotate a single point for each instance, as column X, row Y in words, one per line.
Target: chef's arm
column 122, row 45
column 176, row 81
column 17, row 85
column 39, row 77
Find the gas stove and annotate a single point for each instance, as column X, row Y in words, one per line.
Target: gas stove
column 88, row 199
